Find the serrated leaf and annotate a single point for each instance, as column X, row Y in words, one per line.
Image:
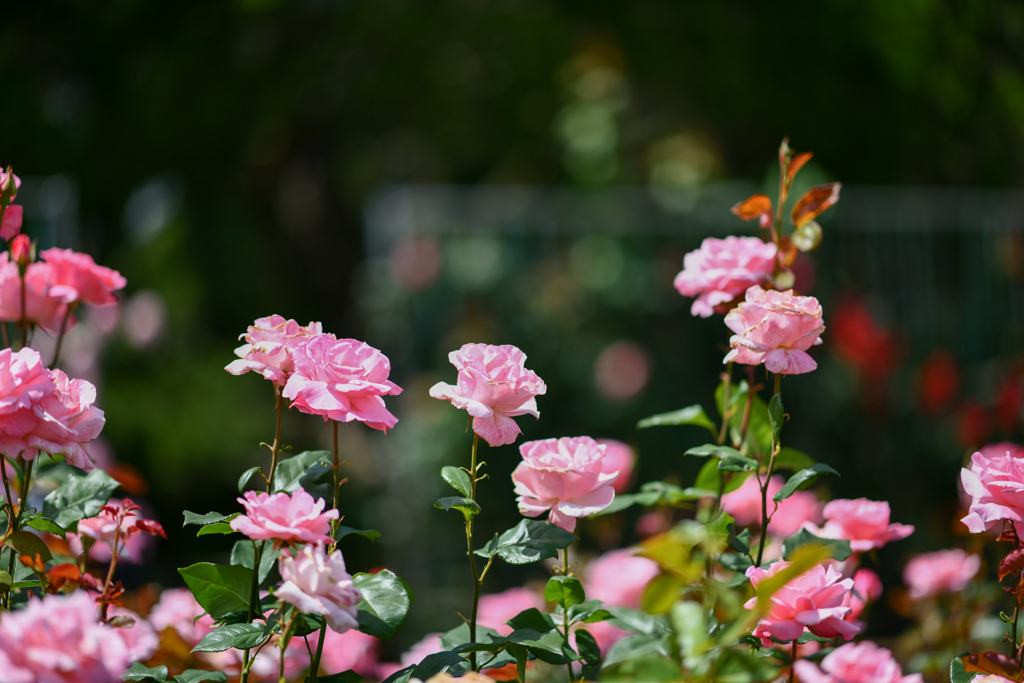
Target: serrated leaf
column 140, row 672
column 957, row 672
column 691, row 415
column 289, row 471
column 215, row 528
column 79, row 497
column 803, row 479
column 457, row 479
column 737, row 463
column 219, row 588
column 993, row 663
column 385, row 604
column 436, row 663
column 47, row 525
column 590, row 653
column 204, row 519
column 200, row 675
column 529, row 541
column 318, row 481
column 243, row 554
column 564, row 591
column 243, row 480
column 241, row 636
column 713, row 450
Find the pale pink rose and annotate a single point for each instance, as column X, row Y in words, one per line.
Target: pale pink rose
column 39, row 308
column 722, row 269
column 352, row 649
column 618, row 457
column 862, row 662
column 497, row 608
column 563, row 476
column 991, row 678
column 24, row 383
column 343, row 380
column 995, row 484
column 945, row 571
column 59, row 639
column 11, row 224
column 493, row 386
column 744, row 506
column 269, row 345
column 618, row 578
column 139, row 637
column 117, row 522
column 815, row 600
column 775, row 328
column 287, row 517
column 177, row 609
column 76, row 277
column 317, row 583
column 862, row 522
column 430, row 644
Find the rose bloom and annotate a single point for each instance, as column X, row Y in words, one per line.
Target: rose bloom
column 862, row 522
column 352, row 649
column 497, row 608
column 618, row 457
column 945, row 571
column 995, row 485
column 24, row 383
column 815, row 600
column 493, row 386
column 40, row 309
column 775, row 328
column 343, row 380
column 140, row 638
column 76, row 277
column 317, row 583
column 177, row 609
column 286, row 517
column 862, row 662
column 744, row 506
column 59, row 639
column 269, row 345
column 563, row 476
column 723, row 269
column 618, row 578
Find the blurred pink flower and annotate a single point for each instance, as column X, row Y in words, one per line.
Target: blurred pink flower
column 867, row 587
column 862, row 662
column 76, row 277
column 140, row 638
column 622, row 370
column 178, row 609
column 497, row 608
column 493, row 386
column 862, row 522
column 744, row 505
column 318, row 583
column 775, row 328
column 40, row 309
column 722, row 269
column 352, row 649
column 59, row 639
column 618, row 457
column 618, row 578
column 285, row 517
column 995, row 484
column 11, row 224
column 563, row 476
column 430, row 644
column 343, row 380
column 945, row 571
column 815, row 600
column 268, row 348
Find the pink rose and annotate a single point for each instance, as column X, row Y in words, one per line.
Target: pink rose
column 177, row 609
column 862, row 522
column 39, row 308
column 618, row 457
column 343, row 380
column 867, row 587
column 11, row 224
column 775, row 328
column 139, row 637
column 352, row 649
column 815, row 600
column 945, row 571
column 285, row 517
column 317, row 583
column 618, row 578
column 995, row 484
column 563, row 476
column 497, row 608
column 744, row 506
column 59, row 638
column 862, row 662
column 721, row 270
column 493, row 386
column 269, row 345
column 76, row 277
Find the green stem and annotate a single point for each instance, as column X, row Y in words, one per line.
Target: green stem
column 60, row 335
column 477, row 580
column 745, row 424
column 254, row 596
column 726, row 416
column 565, row 611
column 275, row 448
column 315, row 666
column 25, row 483
column 765, row 518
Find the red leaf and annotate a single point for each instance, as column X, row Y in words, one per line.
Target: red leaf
column 797, row 163
column 814, row 203
column 993, row 663
column 151, row 527
column 1013, row 561
column 754, row 207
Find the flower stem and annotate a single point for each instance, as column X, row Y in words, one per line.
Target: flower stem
column 765, row 518
column 727, row 379
column 315, row 666
column 336, row 465
column 477, row 579
column 253, row 600
column 792, row 667
column 565, row 610
column 60, row 335
column 275, row 448
column 25, row 483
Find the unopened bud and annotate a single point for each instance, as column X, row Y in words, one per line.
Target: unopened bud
column 22, row 250
column 9, row 184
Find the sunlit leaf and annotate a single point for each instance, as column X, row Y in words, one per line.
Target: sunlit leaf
column 803, row 479
column 752, row 207
column 691, row 415
column 814, row 202
column 796, row 163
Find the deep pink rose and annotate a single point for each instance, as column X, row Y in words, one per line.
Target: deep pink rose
column 268, row 348
column 721, row 270
column 284, row 517
column 40, row 309
column 995, row 484
column 775, row 328
column 862, row 522
column 11, row 224
column 493, row 386
column 59, row 639
column 76, row 277
column 945, row 571
column 317, row 583
column 343, row 380
column 815, row 600
column 618, row 457
column 563, row 476
column 744, row 505
column 618, row 578
column 862, row 662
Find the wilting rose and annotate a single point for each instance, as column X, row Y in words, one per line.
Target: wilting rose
column 723, row 269
column 945, row 571
column 562, row 476
column 76, row 277
column 318, row 583
column 775, row 328
column 284, row 517
column 269, row 345
column 343, row 380
column 862, row 522
column 493, row 386
column 995, row 484
column 862, row 662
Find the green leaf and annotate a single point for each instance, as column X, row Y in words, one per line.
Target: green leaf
column 400, row 676
column 759, row 428
column 839, row 549
column 690, row 627
column 457, row 479
column 344, row 531
column 385, row 603
column 590, row 653
column 777, row 416
column 49, row 526
column 458, row 637
column 466, row 506
column 318, row 481
column 216, row 528
column 243, row 480
column 200, row 675
column 6, row 582
column 735, row 561
column 288, row 473
column 27, row 543
column 208, row 518
column 691, row 415
column 241, row 636
column 792, row 460
column 549, row 646
column 712, row 450
column 737, row 462
column 243, row 554
column 736, row 666
column 564, row 591
column 140, row 672
column 534, row 619
column 439, row 662
column 635, row 620
column 959, row 674
column 635, row 645
column 528, row 541
column 590, row 611
column 79, row 497
column 219, row 588
column 802, row 480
